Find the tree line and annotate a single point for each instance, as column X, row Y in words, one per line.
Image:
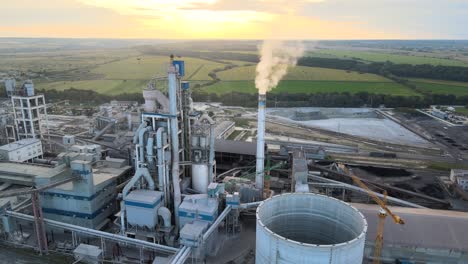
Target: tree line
column 440, row 72
column 449, row 73
column 344, row 99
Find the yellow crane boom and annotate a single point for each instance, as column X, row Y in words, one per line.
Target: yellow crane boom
column 383, row 212
column 371, row 193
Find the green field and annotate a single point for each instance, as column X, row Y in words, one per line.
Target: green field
column 60, row 61
column 115, row 73
column 130, row 75
column 462, row 110
column 312, row 87
column 303, row 73
column 109, row 87
column 441, row 87
column 145, row 67
column 395, row 58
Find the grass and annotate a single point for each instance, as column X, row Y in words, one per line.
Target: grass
column 130, row 75
column 444, row 166
column 395, row 58
column 441, row 87
column 60, row 60
column 452, row 83
column 115, row 72
column 462, row 110
column 303, row 73
column 146, row 67
column 239, row 63
column 313, row 87
column 109, row 87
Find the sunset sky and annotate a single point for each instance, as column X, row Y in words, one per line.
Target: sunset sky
column 236, row 19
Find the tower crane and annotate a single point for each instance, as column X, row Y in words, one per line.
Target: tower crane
column 383, row 212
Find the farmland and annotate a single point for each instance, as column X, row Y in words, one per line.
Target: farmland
column 145, row 67
column 312, row 87
column 308, row 80
column 60, row 61
column 303, row 73
column 387, row 56
column 115, row 71
column 108, row 87
column 128, row 75
column 441, row 87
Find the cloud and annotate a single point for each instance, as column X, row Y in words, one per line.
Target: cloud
column 271, row 6
column 227, row 19
column 253, row 19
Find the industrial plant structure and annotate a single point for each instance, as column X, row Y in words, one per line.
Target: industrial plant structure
column 179, row 192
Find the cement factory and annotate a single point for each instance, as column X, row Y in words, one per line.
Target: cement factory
column 165, row 182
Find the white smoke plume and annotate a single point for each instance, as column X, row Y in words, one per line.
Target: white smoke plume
column 276, row 57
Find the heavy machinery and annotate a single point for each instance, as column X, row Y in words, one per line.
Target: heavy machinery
column 383, row 212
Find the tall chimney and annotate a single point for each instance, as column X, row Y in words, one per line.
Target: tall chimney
column 260, row 173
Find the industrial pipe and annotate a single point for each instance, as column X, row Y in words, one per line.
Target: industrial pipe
column 212, row 155
column 172, row 78
column 150, row 150
column 93, row 232
column 166, row 215
column 249, row 205
column 178, row 257
column 135, row 137
column 161, row 161
column 140, row 172
column 141, row 137
column 104, row 130
column 184, row 256
column 217, row 222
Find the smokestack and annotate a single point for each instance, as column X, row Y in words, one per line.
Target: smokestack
column 276, row 57
column 260, row 171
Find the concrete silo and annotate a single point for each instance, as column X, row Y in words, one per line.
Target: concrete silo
column 309, row 228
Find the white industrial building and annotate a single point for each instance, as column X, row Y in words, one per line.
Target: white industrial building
column 10, row 86
column 460, row 178
column 21, row 150
column 30, row 110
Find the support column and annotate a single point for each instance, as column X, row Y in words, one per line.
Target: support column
column 39, row 223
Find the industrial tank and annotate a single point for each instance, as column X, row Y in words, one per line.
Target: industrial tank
column 309, row 228
column 200, row 177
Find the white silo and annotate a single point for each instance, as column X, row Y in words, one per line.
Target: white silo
column 309, row 228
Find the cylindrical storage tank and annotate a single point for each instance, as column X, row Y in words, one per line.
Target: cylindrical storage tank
column 309, row 228
column 195, row 141
column 200, row 177
column 203, row 142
